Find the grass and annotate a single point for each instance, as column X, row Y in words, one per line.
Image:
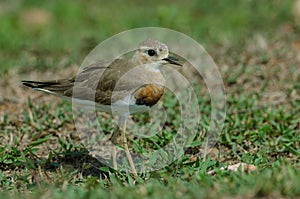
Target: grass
column 42, row 157
column 268, row 139
column 72, row 29
column 200, row 185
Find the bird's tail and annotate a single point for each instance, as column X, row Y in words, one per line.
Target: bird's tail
column 53, row 87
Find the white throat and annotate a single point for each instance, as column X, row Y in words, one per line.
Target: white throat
column 155, row 67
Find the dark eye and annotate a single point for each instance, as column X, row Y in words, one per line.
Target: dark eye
column 151, row 52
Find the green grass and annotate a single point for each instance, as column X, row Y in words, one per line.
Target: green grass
column 197, row 185
column 269, row 139
column 75, row 28
column 41, row 157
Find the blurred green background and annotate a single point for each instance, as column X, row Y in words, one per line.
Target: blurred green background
column 38, row 34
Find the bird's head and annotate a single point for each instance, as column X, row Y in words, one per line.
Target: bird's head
column 154, row 52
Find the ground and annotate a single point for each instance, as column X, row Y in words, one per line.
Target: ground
column 258, row 57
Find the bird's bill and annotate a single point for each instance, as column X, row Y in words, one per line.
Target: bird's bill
column 172, row 60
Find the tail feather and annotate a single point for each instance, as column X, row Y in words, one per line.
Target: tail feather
column 37, row 84
column 56, row 86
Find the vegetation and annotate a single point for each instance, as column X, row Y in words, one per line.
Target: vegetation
column 255, row 44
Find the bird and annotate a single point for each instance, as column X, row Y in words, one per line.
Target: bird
column 124, row 86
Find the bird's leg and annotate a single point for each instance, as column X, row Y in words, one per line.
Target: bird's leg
column 115, row 135
column 114, row 157
column 124, row 140
column 114, row 140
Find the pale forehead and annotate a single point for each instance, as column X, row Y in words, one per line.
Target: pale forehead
column 153, row 44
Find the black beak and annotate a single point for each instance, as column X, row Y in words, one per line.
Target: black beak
column 172, row 60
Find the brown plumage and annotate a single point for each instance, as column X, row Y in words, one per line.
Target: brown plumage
column 148, row 94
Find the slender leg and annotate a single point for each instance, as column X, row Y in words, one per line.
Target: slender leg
column 115, row 135
column 114, row 139
column 114, row 157
column 124, row 140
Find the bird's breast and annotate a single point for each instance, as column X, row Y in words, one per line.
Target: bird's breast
column 148, row 94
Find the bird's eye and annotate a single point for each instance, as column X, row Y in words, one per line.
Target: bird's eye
column 151, row 52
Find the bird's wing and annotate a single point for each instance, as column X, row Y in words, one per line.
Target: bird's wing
column 83, row 86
